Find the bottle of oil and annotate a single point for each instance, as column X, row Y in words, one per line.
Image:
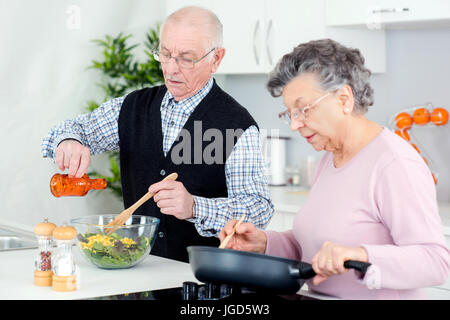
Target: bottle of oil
column 62, row 185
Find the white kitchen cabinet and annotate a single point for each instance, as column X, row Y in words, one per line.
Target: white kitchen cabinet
column 258, row 33
column 289, row 23
column 388, row 13
column 243, row 32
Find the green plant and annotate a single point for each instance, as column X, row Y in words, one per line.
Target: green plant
column 122, row 73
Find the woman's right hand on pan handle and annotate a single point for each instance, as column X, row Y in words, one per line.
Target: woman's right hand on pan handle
column 72, row 155
column 246, row 237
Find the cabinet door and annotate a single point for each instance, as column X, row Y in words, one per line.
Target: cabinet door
column 289, row 23
column 374, row 13
column 371, row 43
column 243, row 31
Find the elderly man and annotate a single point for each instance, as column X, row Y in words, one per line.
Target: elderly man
column 168, row 129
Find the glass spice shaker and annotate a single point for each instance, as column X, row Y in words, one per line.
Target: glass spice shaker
column 43, row 263
column 64, row 268
column 62, row 185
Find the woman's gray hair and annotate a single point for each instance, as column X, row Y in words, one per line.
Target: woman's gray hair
column 335, row 65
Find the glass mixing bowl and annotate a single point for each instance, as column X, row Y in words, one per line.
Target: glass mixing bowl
column 125, row 247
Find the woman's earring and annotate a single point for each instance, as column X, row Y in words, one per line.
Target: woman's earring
column 347, row 110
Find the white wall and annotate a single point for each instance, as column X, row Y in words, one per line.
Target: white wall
column 43, row 81
column 418, row 70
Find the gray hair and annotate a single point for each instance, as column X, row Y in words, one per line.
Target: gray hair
column 335, row 65
column 209, row 21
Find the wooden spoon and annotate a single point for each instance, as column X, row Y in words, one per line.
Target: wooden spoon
column 228, row 237
column 126, row 214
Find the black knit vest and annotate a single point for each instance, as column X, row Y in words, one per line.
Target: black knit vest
column 142, row 160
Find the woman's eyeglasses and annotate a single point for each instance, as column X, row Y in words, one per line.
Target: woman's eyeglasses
column 299, row 114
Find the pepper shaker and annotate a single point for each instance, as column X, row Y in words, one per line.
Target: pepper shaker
column 64, row 268
column 43, row 263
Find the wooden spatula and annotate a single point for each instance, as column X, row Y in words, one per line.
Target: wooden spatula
column 228, row 237
column 126, row 214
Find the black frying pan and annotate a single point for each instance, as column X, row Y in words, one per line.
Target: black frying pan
column 254, row 270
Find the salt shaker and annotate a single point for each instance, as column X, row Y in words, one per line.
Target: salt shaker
column 64, row 268
column 43, row 263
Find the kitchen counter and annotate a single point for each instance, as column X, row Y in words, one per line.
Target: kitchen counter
column 16, row 271
column 290, row 200
column 16, row 277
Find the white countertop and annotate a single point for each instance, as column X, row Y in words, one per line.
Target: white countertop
column 290, row 200
column 16, row 271
column 16, row 277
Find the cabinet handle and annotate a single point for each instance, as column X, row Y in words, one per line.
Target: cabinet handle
column 390, row 10
column 255, row 51
column 269, row 55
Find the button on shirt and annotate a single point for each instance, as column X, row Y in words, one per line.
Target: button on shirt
column 244, row 168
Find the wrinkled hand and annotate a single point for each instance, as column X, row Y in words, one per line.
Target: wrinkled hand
column 72, row 155
column 330, row 260
column 246, row 237
column 173, row 199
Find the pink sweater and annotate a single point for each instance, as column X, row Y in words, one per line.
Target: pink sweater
column 383, row 199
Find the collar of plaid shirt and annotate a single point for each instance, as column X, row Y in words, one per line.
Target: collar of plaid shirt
column 187, row 105
column 175, row 114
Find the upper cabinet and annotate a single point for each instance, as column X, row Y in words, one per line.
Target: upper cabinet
column 375, row 14
column 257, row 33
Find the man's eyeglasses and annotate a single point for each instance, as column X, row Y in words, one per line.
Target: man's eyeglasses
column 182, row 62
column 299, row 114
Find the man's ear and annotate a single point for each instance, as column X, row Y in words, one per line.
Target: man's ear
column 219, row 53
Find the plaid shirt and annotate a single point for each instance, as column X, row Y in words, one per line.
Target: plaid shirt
column 244, row 168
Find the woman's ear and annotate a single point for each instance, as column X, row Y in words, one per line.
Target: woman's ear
column 346, row 99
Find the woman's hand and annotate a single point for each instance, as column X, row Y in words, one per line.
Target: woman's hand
column 330, row 260
column 246, row 237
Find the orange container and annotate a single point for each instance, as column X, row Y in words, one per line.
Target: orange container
column 61, row 185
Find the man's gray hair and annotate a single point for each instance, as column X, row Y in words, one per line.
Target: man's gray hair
column 210, row 23
column 334, row 64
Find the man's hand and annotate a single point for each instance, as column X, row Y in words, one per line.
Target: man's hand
column 72, row 155
column 173, row 199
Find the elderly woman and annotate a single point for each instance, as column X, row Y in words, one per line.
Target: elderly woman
column 373, row 198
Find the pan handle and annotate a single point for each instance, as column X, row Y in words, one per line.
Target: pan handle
column 357, row 265
column 306, row 271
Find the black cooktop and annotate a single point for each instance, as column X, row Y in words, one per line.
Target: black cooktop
column 192, row 291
